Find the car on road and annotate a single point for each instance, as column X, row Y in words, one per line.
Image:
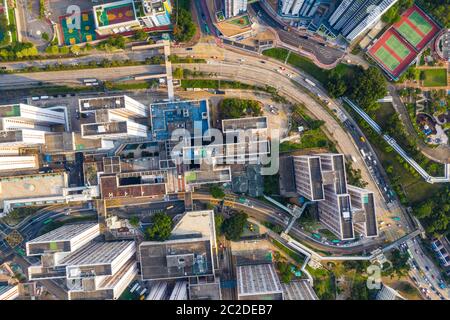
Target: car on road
column 262, row 61
column 282, row 68
column 427, row 268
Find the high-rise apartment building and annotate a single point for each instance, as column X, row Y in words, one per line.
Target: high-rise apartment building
column 323, row 178
column 25, row 125
column 363, row 205
column 299, row 8
column 92, row 269
column 353, row 17
column 112, row 118
column 235, row 7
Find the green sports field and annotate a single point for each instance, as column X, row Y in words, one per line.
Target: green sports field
column 86, row 32
column 387, row 58
column 435, row 77
column 420, row 22
column 409, row 33
column 398, row 47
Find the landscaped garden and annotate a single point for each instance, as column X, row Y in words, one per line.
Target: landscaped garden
column 243, row 21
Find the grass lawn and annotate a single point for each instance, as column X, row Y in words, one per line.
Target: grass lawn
column 434, row 77
column 324, row 284
column 328, row 234
column 310, row 139
column 305, row 64
column 241, row 21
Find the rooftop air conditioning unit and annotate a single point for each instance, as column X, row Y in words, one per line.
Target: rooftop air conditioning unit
column 204, row 115
column 117, row 101
column 86, row 105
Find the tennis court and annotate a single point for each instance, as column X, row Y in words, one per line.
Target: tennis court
column 392, row 53
column 409, row 33
column 86, row 32
column 416, row 27
column 386, row 57
column 420, row 22
column 398, row 47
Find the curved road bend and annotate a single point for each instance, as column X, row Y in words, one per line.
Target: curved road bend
column 247, row 73
column 325, row 55
column 264, row 212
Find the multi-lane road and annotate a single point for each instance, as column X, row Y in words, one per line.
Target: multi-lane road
column 324, row 54
column 424, row 273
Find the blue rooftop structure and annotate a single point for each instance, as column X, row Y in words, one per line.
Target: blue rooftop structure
column 169, row 116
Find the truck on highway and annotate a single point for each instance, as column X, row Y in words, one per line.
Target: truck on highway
column 363, row 153
column 310, row 82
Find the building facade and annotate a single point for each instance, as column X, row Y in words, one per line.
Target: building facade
column 92, row 269
column 353, row 17
column 234, row 8
column 323, row 178
column 24, row 125
column 299, row 8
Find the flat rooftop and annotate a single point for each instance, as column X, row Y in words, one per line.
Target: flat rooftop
column 258, row 279
column 136, row 184
column 103, row 103
column 298, row 290
column 96, row 253
column 200, row 222
column 244, row 124
column 11, row 136
column 105, row 128
column 32, row 186
column 189, row 115
column 10, row 111
column 59, row 142
column 64, row 233
column 215, row 175
column 176, row 258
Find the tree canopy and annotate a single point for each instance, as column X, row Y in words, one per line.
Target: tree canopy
column 217, row 192
column 233, row 108
column 434, row 212
column 233, row 227
column 368, row 87
column 184, row 27
column 161, row 228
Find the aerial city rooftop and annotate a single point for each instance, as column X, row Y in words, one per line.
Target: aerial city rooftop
column 224, row 150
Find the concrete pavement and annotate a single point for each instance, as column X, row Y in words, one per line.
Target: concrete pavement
column 26, row 80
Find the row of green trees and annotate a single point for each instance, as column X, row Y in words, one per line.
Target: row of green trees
column 365, row 87
column 434, row 212
column 393, row 14
column 184, row 27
